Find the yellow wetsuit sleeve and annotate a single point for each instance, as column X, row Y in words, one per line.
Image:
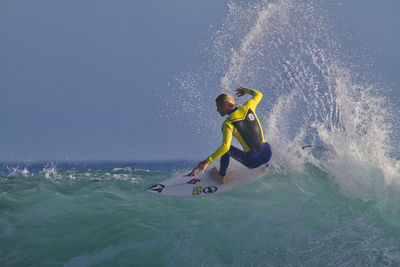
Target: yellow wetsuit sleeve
column 226, row 144
column 252, row 103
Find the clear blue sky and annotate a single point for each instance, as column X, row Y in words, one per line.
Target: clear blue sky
column 80, row 79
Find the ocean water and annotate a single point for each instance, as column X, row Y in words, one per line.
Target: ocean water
column 314, row 207
column 99, row 214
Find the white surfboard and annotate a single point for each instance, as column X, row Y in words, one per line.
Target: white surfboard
column 205, row 184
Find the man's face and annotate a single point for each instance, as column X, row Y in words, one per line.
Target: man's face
column 222, row 109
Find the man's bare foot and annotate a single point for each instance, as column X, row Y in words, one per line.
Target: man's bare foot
column 219, row 178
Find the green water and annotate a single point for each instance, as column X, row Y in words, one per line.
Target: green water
column 106, row 218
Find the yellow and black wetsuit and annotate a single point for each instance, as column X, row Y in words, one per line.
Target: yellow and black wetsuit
column 243, row 124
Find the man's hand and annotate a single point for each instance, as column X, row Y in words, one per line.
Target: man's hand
column 200, row 168
column 240, row 91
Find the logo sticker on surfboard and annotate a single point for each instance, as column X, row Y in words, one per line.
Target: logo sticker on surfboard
column 197, row 190
column 207, row 190
column 193, row 181
column 210, row 189
column 158, row 188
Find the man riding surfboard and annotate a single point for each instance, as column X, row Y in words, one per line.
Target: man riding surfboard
column 243, row 124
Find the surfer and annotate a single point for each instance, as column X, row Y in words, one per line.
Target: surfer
column 243, row 124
